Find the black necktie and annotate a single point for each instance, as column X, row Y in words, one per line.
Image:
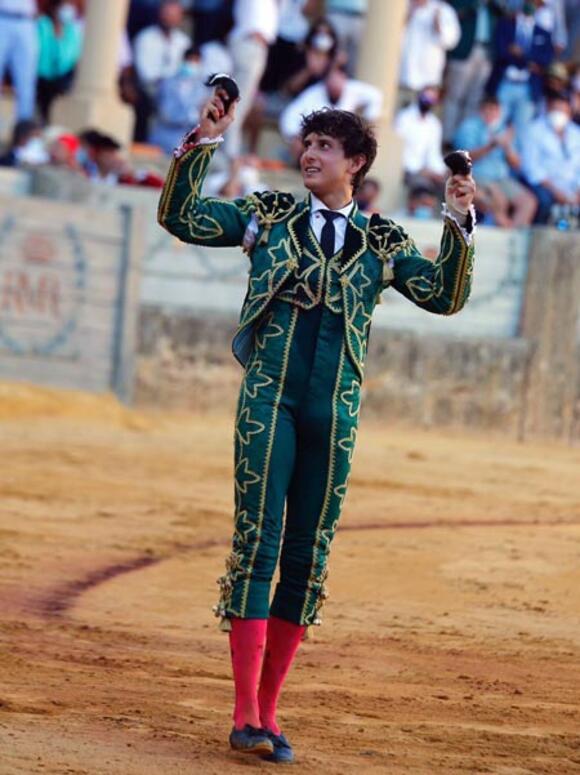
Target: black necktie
column 327, row 234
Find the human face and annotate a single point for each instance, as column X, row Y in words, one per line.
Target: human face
column 491, row 113
column 325, row 169
column 171, row 16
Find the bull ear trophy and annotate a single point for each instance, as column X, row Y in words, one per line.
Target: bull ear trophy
column 226, row 83
column 459, row 162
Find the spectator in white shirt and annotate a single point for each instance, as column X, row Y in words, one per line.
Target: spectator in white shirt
column 432, row 29
column 19, row 52
column 159, row 51
column 255, row 29
column 338, row 91
column 551, row 158
column 422, row 133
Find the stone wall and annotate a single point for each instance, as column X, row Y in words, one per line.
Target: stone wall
column 186, row 361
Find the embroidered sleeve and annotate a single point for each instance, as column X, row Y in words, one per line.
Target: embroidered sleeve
column 186, row 214
column 441, row 286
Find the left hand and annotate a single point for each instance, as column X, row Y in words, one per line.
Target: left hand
column 460, row 192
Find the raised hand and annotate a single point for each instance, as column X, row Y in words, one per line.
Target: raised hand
column 460, row 192
column 214, row 118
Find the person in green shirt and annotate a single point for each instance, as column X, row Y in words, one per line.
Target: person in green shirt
column 317, row 268
column 60, row 44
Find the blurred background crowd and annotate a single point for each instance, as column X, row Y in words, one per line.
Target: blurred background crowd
column 500, row 78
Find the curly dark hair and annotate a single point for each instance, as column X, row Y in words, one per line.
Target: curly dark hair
column 354, row 133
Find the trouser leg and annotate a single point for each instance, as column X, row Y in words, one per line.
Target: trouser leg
column 326, row 435
column 249, row 57
column 456, row 84
column 23, row 67
column 265, row 439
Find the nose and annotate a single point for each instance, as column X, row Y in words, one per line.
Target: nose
column 308, row 155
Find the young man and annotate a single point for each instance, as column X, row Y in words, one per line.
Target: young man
column 317, row 269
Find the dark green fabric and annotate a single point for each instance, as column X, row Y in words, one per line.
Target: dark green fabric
column 304, row 327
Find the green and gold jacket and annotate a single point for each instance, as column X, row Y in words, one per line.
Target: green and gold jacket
column 377, row 253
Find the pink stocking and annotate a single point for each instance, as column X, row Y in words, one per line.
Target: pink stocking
column 247, row 640
column 283, row 640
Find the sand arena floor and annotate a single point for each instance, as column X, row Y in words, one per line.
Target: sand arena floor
column 451, row 641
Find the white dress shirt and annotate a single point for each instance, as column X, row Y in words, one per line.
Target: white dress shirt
column 356, row 96
column 548, row 156
column 256, row 16
column 317, row 220
column 158, row 55
column 422, row 137
column 423, row 52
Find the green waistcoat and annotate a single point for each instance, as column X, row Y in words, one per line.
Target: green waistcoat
column 376, row 253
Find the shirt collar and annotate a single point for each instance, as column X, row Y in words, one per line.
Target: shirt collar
column 316, row 204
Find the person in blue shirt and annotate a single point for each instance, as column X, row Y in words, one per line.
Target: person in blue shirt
column 178, row 102
column 551, row 158
column 500, row 196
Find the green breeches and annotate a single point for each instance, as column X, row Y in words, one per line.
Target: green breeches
column 294, row 440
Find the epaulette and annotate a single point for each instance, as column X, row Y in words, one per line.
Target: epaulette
column 386, row 239
column 271, row 207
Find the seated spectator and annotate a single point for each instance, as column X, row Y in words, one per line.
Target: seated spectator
column 64, row 150
column 60, row 42
column 178, row 103
column 367, row 196
column 286, row 54
column 338, row 91
column 489, row 142
column 315, row 58
column 110, row 167
column 469, row 63
column 423, row 203
column 524, row 50
column 421, row 132
column 27, row 148
column 431, row 30
column 159, row 51
column 551, row 158
column 19, row 52
column 312, row 63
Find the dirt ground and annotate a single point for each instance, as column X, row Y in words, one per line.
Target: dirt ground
column 450, row 644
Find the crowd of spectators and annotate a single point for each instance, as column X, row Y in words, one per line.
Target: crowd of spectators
column 500, row 78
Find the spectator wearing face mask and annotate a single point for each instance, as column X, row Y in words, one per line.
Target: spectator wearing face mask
column 338, row 91
column 60, row 42
column 367, row 197
column 500, row 196
column 27, row 148
column 551, row 158
column 314, row 59
column 178, row 102
column 524, row 50
column 422, row 134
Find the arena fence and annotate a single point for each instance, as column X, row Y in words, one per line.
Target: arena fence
column 69, row 294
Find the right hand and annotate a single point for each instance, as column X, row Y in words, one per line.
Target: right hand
column 214, row 119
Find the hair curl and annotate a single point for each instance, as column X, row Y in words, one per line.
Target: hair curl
column 354, row 133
